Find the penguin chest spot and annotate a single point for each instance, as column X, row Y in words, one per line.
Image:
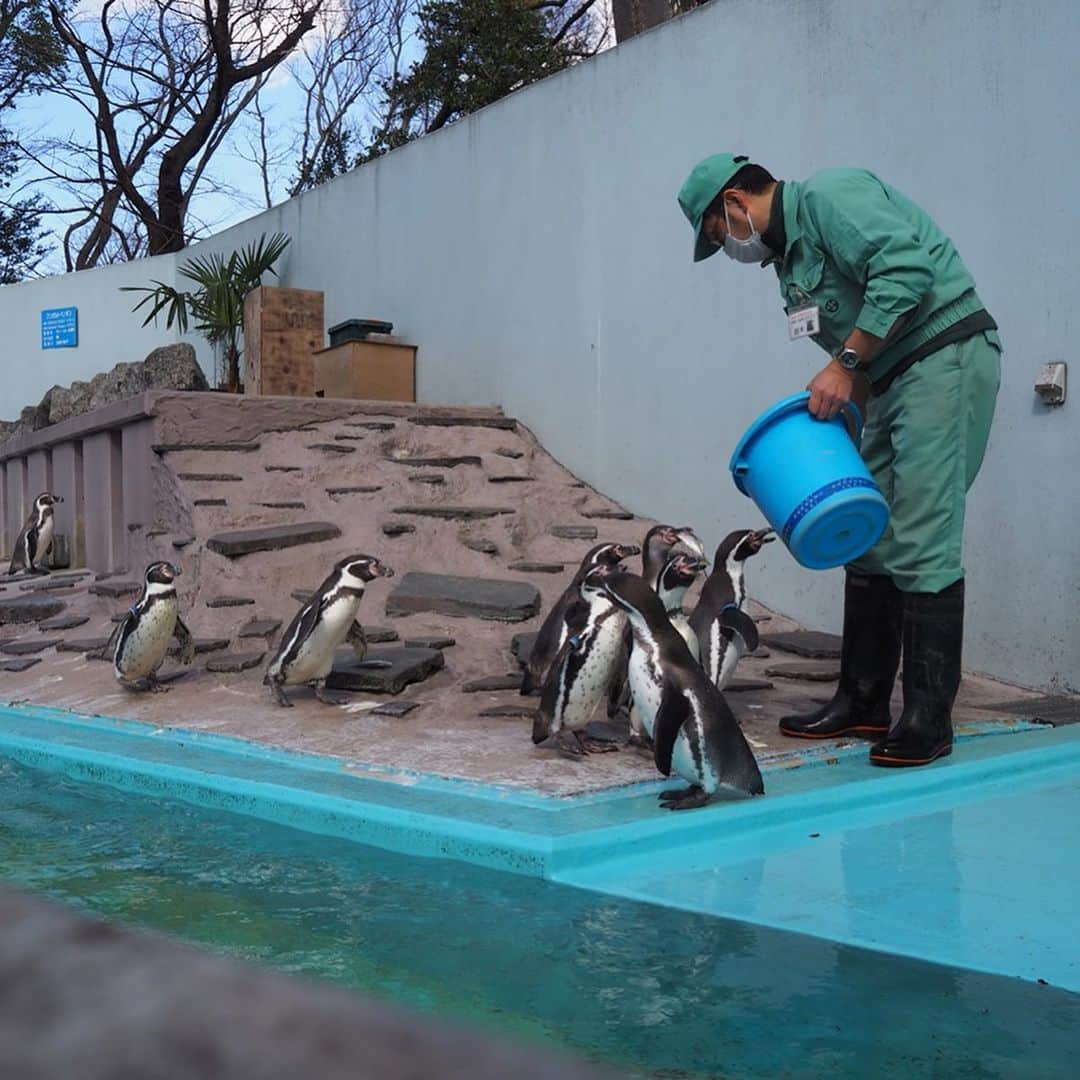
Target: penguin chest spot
column 145, row 646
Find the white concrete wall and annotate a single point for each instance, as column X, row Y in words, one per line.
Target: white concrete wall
column 536, row 254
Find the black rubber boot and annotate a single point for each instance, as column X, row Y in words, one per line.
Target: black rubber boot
column 933, row 641
column 869, row 658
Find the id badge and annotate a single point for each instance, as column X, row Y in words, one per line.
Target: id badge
column 803, row 322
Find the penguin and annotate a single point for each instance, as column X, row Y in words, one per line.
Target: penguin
column 141, row 640
column 724, row 631
column 306, row 652
column 583, row 671
column 694, row 731
column 679, row 573
column 553, row 631
column 35, row 541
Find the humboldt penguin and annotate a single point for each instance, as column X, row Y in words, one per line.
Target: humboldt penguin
column 328, row 619
column 34, row 543
column 694, row 732
column 678, row 574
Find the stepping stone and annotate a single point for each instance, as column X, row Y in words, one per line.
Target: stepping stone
column 371, row 425
column 210, row 502
column 398, row 528
column 349, row 438
column 427, row 478
column 493, row 682
column 537, row 567
column 406, row 666
column 282, row 505
column 576, row 484
column 485, row 547
column 283, row 468
column 208, row 477
column 29, row 609
column 182, row 542
column 429, row 642
column 151, row 533
column 229, row 601
column 110, row 575
column 332, row 448
column 740, row 686
column 609, row 515
column 118, row 617
column 446, row 594
column 503, row 423
column 231, row 663
column 809, row 643
column 238, row 447
column 202, row 645
column 135, row 526
column 507, row 452
column 1053, row 709
column 608, row 730
column 303, row 595
column 355, row 489
column 259, row 628
column 437, row 462
column 455, row 513
column 19, row 665
column 64, row 622
column 574, row 532
column 45, row 585
column 376, row 635
column 521, row 646
column 809, row 672
column 89, row 644
column 395, row 708
column 507, row 712
column 117, row 589
column 271, row 538
column 511, row 479
column 25, row 648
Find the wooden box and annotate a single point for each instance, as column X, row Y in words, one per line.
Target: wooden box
column 371, row 370
column 283, row 329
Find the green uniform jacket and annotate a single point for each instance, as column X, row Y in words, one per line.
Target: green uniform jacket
column 866, row 254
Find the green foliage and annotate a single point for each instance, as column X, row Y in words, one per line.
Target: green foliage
column 216, row 307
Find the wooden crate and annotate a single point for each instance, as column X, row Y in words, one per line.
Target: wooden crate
column 283, row 329
column 371, row 370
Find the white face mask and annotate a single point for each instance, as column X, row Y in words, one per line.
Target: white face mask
column 751, row 250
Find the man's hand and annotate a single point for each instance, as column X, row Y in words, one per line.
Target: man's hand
column 833, row 387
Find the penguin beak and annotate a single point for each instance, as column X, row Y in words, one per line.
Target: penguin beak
column 385, row 571
column 690, row 539
column 58, row 498
column 628, row 550
column 760, row 537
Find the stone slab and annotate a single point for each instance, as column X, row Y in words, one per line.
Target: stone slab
column 526, row 567
column 429, row 642
column 229, row 601
column 812, row 644
column 502, row 423
column 354, row 489
column 376, row 635
column 485, row 547
column 809, row 671
column 231, row 663
column 218, row 447
column 437, row 461
column 397, row 528
column 259, row 628
column 64, row 622
column 395, row 708
column 464, row 597
column 608, row 515
column 575, row 532
column 349, row 438
column 182, row 541
column 1053, row 709
column 521, row 645
column 210, row 502
column 283, row 468
column 742, row 686
column 372, row 425
column 455, row 513
column 26, row 648
column 117, row 589
column 45, row 585
column 511, row 479
column 509, row 452
column 407, row 666
column 89, row 644
column 21, row 664
column 509, row 712
column 208, row 477
column 332, row 447
column 427, row 478
column 202, row 645
column 286, row 505
column 271, row 538
column 29, row 609
column 492, row 683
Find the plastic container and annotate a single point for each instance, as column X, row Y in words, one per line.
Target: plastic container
column 809, row 481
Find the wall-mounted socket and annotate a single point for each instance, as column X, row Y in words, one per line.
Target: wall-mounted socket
column 1050, row 383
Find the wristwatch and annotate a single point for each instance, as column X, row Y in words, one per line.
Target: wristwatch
column 850, row 360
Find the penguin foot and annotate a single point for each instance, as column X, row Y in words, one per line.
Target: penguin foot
column 640, row 742
column 324, row 697
column 278, row 694
column 596, row 746
column 569, row 745
column 156, row 687
column 684, row 799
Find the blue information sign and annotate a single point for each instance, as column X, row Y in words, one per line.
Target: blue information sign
column 60, row 328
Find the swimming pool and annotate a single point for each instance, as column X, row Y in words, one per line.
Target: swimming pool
column 668, row 992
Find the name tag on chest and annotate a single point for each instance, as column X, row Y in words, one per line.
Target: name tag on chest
column 803, row 322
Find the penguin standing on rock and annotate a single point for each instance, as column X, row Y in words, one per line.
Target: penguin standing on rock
column 724, row 631
column 553, row 631
column 584, row 670
column 140, row 643
column 35, row 541
column 306, row 652
column 694, row 731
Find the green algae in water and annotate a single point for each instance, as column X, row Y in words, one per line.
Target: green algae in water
column 667, row 993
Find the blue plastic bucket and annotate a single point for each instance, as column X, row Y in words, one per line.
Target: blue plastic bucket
column 809, row 481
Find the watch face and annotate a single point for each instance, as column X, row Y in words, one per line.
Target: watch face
column 849, row 359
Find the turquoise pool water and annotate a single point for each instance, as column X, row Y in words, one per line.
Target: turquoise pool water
column 665, row 992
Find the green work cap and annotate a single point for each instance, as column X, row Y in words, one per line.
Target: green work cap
column 706, row 180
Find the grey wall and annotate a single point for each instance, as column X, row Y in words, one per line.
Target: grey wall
column 536, row 254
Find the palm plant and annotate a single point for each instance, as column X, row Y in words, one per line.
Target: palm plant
column 216, row 307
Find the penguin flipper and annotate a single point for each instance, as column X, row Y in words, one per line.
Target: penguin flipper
column 31, row 547
column 185, row 641
column 356, row 638
column 673, row 713
column 577, row 616
column 18, row 552
column 739, row 622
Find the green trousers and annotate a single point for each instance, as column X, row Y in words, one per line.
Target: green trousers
column 923, row 443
